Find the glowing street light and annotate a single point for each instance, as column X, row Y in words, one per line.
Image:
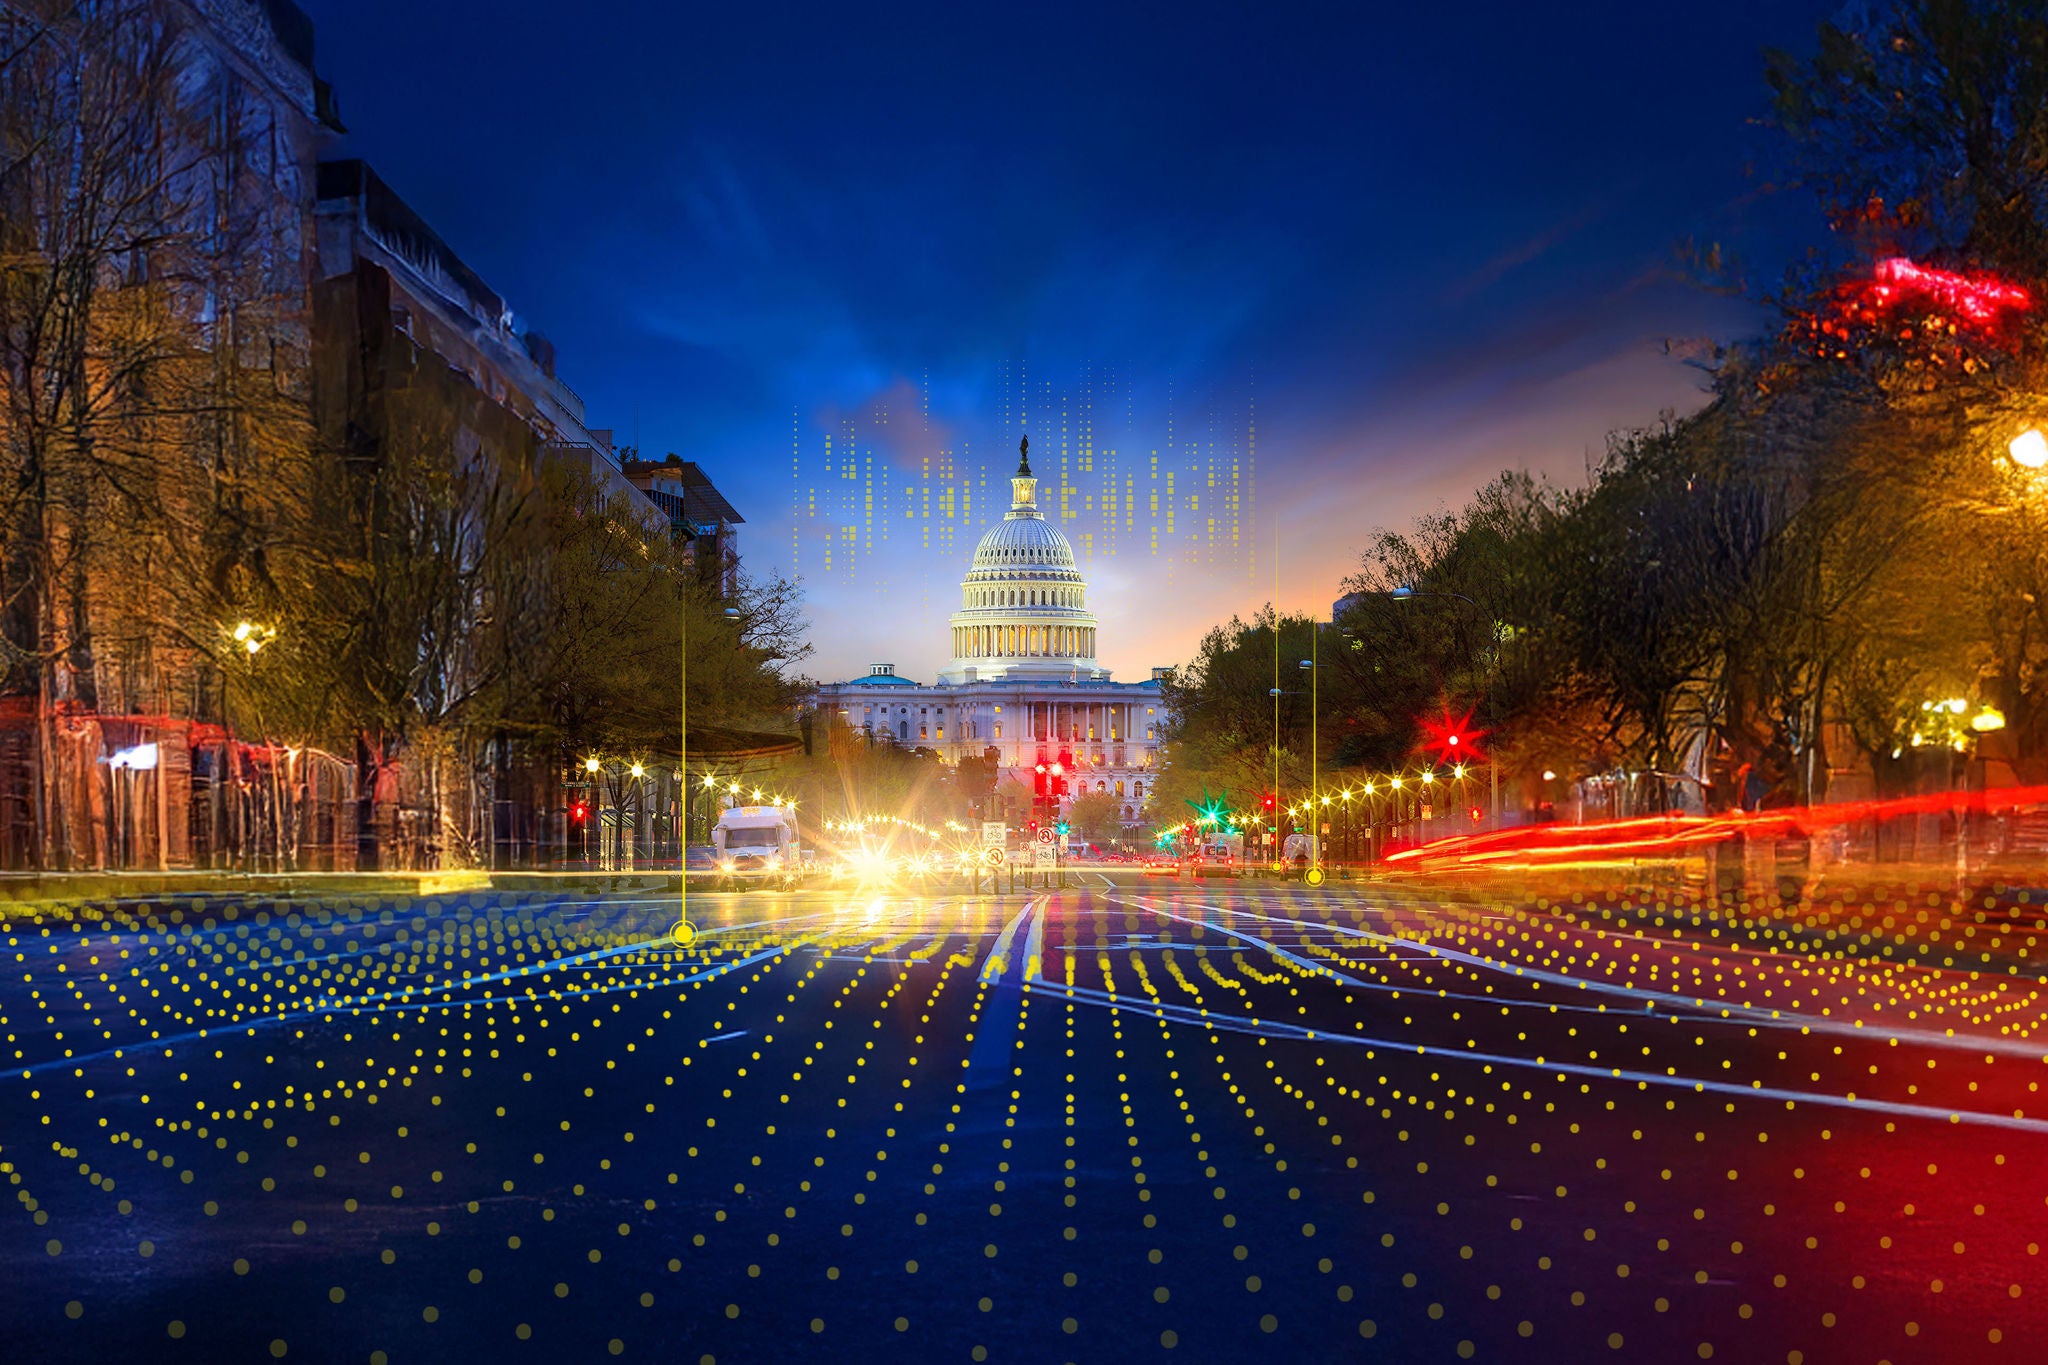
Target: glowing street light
column 590, row 765
column 2029, row 448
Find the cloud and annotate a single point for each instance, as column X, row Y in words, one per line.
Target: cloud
column 1523, row 253
column 895, row 420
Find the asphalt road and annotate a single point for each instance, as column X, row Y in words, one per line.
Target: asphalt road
column 1214, row 1121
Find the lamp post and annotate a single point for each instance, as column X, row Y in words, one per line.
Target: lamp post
column 1404, row 593
column 683, row 933
column 250, row 638
column 1314, row 875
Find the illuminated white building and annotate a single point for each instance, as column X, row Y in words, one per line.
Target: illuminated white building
column 1023, row 679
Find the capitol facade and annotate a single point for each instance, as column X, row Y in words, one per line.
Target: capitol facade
column 1023, row 679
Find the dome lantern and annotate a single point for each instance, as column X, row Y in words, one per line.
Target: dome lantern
column 1023, row 487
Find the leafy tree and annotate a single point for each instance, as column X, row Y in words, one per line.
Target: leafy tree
column 1922, row 126
column 1097, row 817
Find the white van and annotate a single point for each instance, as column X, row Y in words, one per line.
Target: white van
column 1220, row 855
column 757, row 844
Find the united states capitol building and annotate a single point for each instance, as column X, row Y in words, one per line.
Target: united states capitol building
column 1023, row 678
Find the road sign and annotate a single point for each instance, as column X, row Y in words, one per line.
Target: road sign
column 994, row 834
column 992, row 855
column 1045, row 855
column 1045, row 834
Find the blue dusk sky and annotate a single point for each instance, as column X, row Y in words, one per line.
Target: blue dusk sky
column 1422, row 242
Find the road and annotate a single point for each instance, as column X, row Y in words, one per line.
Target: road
column 1214, row 1121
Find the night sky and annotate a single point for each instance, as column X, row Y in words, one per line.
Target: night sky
column 1429, row 241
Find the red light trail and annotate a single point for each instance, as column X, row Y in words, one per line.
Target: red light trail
column 1664, row 836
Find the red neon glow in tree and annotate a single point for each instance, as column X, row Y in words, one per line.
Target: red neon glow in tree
column 1941, row 315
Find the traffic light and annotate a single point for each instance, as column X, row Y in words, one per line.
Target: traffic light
column 1032, row 827
column 1061, row 827
column 1268, row 802
column 1453, row 738
column 1062, row 768
column 1039, row 786
column 577, row 813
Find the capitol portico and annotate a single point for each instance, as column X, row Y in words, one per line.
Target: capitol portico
column 1023, row 677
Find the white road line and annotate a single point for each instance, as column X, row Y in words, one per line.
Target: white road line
column 1698, row 1008
column 1034, row 946
column 998, row 959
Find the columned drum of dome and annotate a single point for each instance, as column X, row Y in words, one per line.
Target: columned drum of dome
column 1023, row 605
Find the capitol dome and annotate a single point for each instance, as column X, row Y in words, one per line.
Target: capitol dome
column 1023, row 603
column 1024, row 542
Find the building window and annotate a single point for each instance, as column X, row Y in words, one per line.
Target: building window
column 999, row 729
column 903, row 729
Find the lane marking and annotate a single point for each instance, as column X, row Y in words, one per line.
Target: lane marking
column 997, row 962
column 1208, row 1019
column 1034, row 946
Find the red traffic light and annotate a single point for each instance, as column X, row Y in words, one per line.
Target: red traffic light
column 1453, row 738
column 578, row 811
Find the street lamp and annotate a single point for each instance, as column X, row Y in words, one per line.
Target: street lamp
column 251, row 636
column 1314, row 875
column 2029, row 448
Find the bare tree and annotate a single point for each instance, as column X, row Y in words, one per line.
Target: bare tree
column 145, row 294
